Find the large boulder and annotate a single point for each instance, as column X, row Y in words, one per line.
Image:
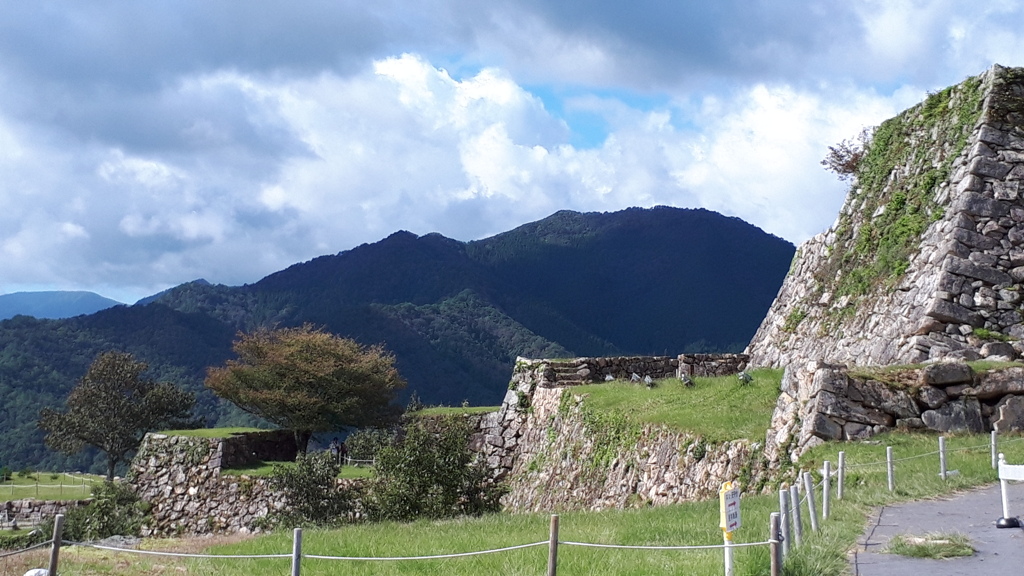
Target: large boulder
column 944, row 374
column 962, row 415
column 1011, row 415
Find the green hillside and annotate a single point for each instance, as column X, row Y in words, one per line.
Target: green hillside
column 456, row 315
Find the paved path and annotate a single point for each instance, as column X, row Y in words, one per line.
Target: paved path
column 971, row 513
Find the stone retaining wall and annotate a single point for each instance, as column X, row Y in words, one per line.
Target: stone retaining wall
column 32, row 510
column 962, row 282
column 180, row 477
column 820, row 402
column 539, row 442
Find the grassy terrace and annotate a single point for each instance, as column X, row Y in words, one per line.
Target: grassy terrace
column 823, row 553
column 210, row 432
column 717, row 408
column 48, row 486
column 455, row 410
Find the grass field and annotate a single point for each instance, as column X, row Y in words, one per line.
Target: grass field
column 267, row 468
column 48, row 486
column 717, row 408
column 455, row 410
column 823, row 553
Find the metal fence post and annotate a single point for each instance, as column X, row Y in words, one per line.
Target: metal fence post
column 296, row 551
column 826, row 487
column 811, row 510
column 842, row 475
column 58, row 536
column 784, row 510
column 774, row 550
column 942, row 457
column 553, row 546
column 891, row 472
column 994, row 441
column 798, row 525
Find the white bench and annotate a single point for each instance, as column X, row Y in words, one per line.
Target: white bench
column 1008, row 472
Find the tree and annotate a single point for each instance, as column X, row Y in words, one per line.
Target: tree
column 113, row 407
column 308, row 380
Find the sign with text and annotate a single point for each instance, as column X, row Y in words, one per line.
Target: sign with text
column 729, row 506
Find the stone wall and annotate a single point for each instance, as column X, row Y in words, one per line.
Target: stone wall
column 590, row 370
column 820, row 402
column 181, row 478
column 965, row 275
column 33, row 510
column 539, row 442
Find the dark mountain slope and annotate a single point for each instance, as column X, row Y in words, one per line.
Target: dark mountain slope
column 455, row 314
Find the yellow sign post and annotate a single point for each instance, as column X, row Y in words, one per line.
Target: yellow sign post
column 729, row 511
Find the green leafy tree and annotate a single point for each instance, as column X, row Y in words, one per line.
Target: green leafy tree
column 112, row 408
column 308, row 381
column 431, row 473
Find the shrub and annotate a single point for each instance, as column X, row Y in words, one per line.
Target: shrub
column 312, row 490
column 115, row 511
column 364, row 444
column 431, row 473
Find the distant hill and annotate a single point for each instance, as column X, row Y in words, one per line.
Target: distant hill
column 456, row 314
column 56, row 304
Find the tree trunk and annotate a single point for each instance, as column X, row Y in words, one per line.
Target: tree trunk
column 111, row 463
column 302, row 440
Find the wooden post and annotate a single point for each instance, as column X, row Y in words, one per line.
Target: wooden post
column 942, row 457
column 784, row 510
column 296, row 551
column 553, row 546
column 842, row 475
column 889, row 468
column 811, row 510
column 58, row 535
column 826, row 488
column 774, row 550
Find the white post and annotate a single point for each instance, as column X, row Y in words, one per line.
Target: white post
column 942, row 457
column 811, row 511
column 826, row 487
column 296, row 551
column 794, row 503
column 842, row 475
column 1010, row 473
column 727, row 536
column 993, row 443
column 889, row 468
column 784, row 510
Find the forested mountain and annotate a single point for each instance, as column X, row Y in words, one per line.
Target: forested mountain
column 456, row 314
column 53, row 304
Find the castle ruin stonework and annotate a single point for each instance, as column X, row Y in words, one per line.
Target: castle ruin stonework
column 926, row 259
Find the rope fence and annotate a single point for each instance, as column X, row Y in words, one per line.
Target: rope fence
column 790, row 531
column 297, row 555
column 785, row 532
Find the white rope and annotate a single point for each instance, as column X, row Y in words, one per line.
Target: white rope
column 704, row 547
column 176, row 554
column 30, row 548
column 457, row 555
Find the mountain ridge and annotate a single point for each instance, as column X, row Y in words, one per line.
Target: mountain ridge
column 455, row 314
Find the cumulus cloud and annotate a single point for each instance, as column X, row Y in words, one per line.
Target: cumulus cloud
column 143, row 147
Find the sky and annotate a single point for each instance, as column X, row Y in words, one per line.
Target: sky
column 147, row 144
